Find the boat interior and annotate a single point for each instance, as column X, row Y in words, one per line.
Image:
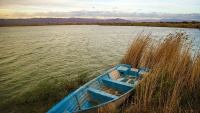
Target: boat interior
column 105, row 88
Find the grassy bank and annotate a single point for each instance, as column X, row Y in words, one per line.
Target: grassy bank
column 173, row 84
column 158, row 24
column 43, row 96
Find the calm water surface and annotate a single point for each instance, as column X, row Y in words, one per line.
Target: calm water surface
column 32, row 54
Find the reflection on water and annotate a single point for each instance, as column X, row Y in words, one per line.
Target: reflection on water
column 32, row 54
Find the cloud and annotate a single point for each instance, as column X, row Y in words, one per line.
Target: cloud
column 170, row 6
column 110, row 14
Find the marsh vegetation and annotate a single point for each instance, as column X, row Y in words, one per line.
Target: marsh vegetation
column 173, row 84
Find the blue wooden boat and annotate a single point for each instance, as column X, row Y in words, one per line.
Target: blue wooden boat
column 109, row 89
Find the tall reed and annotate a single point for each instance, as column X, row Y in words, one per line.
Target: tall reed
column 173, row 85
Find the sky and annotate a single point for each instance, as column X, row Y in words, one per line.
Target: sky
column 102, row 9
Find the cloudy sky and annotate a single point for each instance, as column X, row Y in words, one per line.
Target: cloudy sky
column 126, row 9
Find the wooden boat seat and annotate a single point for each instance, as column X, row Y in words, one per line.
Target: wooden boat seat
column 114, row 74
column 100, row 96
column 134, row 69
column 117, row 85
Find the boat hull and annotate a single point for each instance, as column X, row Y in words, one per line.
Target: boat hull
column 106, row 92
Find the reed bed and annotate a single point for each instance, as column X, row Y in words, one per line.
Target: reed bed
column 173, row 84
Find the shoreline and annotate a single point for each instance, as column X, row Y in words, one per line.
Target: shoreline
column 149, row 24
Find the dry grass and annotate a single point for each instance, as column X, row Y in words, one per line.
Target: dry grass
column 173, row 84
column 157, row 24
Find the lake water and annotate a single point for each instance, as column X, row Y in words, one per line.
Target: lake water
column 32, row 54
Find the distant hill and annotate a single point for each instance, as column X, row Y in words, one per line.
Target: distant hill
column 57, row 20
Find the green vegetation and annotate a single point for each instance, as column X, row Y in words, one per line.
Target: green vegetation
column 173, row 84
column 45, row 95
